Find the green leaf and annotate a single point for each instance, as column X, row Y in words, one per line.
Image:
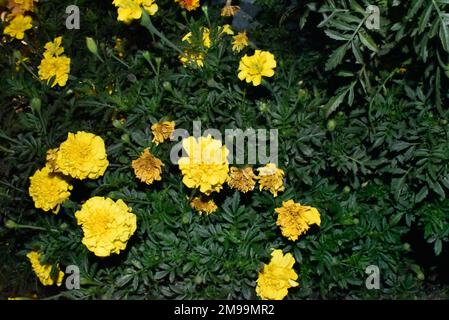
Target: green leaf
column 368, row 42
column 336, row 57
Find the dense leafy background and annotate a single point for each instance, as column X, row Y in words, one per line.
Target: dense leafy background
column 364, row 136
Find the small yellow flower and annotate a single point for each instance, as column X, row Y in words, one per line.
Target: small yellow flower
column 206, row 165
column 203, row 205
column 82, row 155
column 205, row 37
column 295, row 219
column 162, row 131
column 253, row 68
column 271, row 178
column 277, row 277
column 57, row 68
column 192, row 59
column 240, row 41
column 229, row 10
column 189, row 5
column 54, row 49
column 242, row 179
column 43, row 271
column 147, row 167
column 226, row 29
column 107, row 225
column 48, row 190
column 129, row 10
column 17, row 27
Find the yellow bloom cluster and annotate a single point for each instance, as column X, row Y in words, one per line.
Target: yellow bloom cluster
column 242, row 179
column 295, row 219
column 206, row 166
column 107, row 225
column 129, row 10
column 162, row 131
column 147, row 167
column 54, row 67
column 43, row 271
column 277, row 277
column 195, row 54
column 189, row 5
column 271, row 178
column 82, row 155
column 253, row 68
column 48, row 189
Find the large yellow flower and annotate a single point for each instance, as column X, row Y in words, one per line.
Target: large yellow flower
column 295, row 219
column 242, row 179
column 189, row 5
column 206, row 166
column 271, row 178
column 277, row 277
column 129, row 10
column 56, row 68
column 17, row 27
column 162, row 131
column 82, row 155
column 253, row 68
column 147, row 167
column 43, row 271
column 48, row 190
column 107, row 225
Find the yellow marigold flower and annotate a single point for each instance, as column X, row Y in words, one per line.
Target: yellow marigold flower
column 48, row 190
column 240, row 41
column 53, row 49
column 229, row 10
column 295, row 219
column 20, row 6
column 57, row 68
column 162, row 131
column 107, row 225
column 192, row 59
column 226, row 29
column 206, row 166
column 253, row 68
column 242, row 179
column 43, row 271
column 17, row 26
column 189, row 5
column 277, row 277
column 82, row 155
column 147, row 167
column 271, row 178
column 206, row 206
column 129, row 10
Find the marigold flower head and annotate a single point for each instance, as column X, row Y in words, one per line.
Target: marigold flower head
column 147, row 167
column 48, row 190
column 129, row 10
column 203, row 205
column 295, row 219
column 43, row 271
column 229, row 10
column 189, row 5
column 20, row 6
column 17, row 26
column 253, row 68
column 226, row 29
column 277, row 277
column 54, row 49
column 162, row 131
column 56, row 68
column 271, row 178
column 242, row 179
column 82, row 155
column 206, row 165
column 107, row 225
column 240, row 41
